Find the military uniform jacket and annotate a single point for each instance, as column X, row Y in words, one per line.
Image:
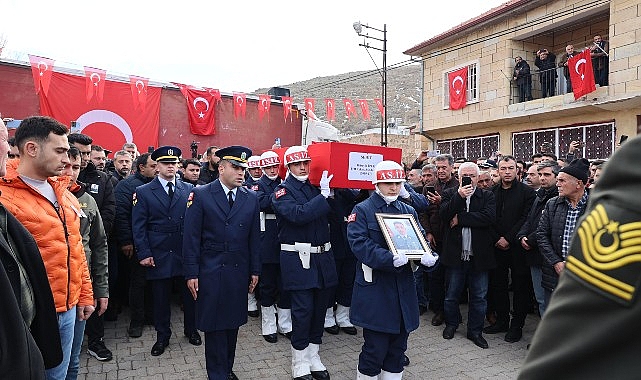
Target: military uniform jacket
column 221, row 250
column 302, row 213
column 157, row 225
column 380, row 305
column 269, row 245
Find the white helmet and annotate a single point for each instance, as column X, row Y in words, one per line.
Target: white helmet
column 296, row 153
column 253, row 162
column 388, row 171
column 269, row 158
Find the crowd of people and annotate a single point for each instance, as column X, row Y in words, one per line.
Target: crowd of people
column 228, row 233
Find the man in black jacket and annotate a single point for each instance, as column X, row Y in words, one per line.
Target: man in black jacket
column 546, row 62
column 513, row 202
column 209, row 170
column 523, row 79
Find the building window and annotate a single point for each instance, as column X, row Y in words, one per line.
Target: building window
column 598, row 141
column 471, row 148
column 472, row 84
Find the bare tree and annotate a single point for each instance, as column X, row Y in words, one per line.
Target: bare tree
column 3, row 42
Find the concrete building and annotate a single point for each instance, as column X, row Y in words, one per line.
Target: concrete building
column 493, row 118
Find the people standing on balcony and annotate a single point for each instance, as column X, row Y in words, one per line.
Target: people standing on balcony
column 546, row 62
column 598, row 52
column 569, row 53
column 523, row 79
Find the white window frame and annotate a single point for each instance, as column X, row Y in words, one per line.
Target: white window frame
column 473, row 80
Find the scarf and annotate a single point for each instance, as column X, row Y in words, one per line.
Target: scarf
column 466, row 234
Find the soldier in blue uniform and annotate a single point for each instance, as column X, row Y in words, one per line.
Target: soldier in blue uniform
column 157, row 225
column 384, row 300
column 251, row 180
column 221, row 257
column 306, row 259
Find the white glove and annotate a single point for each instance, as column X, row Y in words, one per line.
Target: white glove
column 400, row 260
column 404, row 193
column 428, row 259
column 324, row 184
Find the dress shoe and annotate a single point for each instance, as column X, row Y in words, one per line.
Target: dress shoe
column 406, row 361
column 135, row 331
column 333, row 329
column 438, row 319
column 479, row 341
column 232, row 376
column 349, row 330
column 514, row 334
column 496, row 328
column 271, row 338
column 253, row 313
column 194, row 338
column 304, row 377
column 320, row 375
column 159, row 348
column 449, row 331
column 287, row 335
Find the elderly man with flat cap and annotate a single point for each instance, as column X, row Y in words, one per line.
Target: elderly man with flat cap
column 222, row 257
column 157, row 224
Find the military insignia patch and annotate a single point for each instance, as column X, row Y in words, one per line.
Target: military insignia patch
column 607, row 254
column 280, row 193
column 255, row 188
column 134, row 200
column 190, row 199
column 351, row 217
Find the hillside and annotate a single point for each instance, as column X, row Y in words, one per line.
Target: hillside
column 403, row 96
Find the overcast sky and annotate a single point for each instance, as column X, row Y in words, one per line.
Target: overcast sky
column 230, row 45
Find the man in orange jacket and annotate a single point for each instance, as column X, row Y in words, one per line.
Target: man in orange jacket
column 52, row 215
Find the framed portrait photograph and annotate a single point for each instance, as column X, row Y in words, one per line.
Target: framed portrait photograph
column 403, row 235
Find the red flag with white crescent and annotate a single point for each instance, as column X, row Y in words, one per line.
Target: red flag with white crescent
column 364, row 108
column 457, row 81
column 381, row 107
column 111, row 123
column 201, row 109
column 240, row 104
column 95, row 83
column 139, row 91
column 264, row 104
column 349, row 108
column 287, row 105
column 581, row 74
column 41, row 68
column 310, row 103
column 330, row 107
column 215, row 93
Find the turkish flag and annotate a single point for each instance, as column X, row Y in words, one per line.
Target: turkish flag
column 581, row 74
column 457, row 83
column 95, row 83
column 139, row 91
column 287, row 105
column 330, row 109
column 41, row 68
column 215, row 93
column 381, row 107
column 200, row 107
column 309, row 105
column 240, row 104
column 364, row 108
column 112, row 123
column 349, row 108
column 264, row 104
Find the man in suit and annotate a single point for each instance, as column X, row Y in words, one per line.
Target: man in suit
column 222, row 257
column 157, row 224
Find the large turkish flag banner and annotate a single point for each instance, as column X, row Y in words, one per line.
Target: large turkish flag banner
column 457, row 81
column 200, row 107
column 581, row 74
column 111, row 123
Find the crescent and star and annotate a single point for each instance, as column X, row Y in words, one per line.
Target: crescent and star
column 576, row 66
column 458, row 90
column 201, row 100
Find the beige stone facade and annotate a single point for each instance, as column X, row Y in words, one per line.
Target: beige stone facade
column 519, row 28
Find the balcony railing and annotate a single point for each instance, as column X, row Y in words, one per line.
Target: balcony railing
column 541, row 84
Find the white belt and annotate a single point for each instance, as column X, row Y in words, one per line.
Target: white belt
column 270, row 216
column 263, row 217
column 320, row 249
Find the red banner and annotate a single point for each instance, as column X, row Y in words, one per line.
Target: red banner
column 264, row 104
column 139, row 91
column 309, row 105
column 240, row 104
column 364, row 109
column 381, row 107
column 330, row 107
column 95, row 83
column 458, row 88
column 215, row 93
column 349, row 108
column 200, row 107
column 111, row 124
column 41, row 68
column 581, row 74
column 287, row 105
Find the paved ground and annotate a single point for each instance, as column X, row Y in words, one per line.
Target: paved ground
column 432, row 357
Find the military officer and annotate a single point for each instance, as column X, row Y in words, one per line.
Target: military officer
column 157, row 224
column 221, row 253
column 251, row 179
column 306, row 259
column 384, row 299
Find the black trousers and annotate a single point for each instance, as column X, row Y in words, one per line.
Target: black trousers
column 308, row 316
column 161, row 290
column 271, row 287
column 220, row 352
column 510, row 262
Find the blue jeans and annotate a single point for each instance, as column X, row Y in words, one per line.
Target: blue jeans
column 456, row 279
column 539, row 294
column 66, row 326
column 74, row 360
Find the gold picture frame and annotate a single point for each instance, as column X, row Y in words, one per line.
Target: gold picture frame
column 403, row 235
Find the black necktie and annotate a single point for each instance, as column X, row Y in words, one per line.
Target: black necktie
column 230, row 198
column 170, row 185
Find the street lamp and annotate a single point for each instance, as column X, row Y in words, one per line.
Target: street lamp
column 358, row 27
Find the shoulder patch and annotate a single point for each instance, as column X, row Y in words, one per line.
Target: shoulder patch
column 134, row 199
column 351, row 217
column 606, row 254
column 190, row 199
column 280, row 193
column 255, row 187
